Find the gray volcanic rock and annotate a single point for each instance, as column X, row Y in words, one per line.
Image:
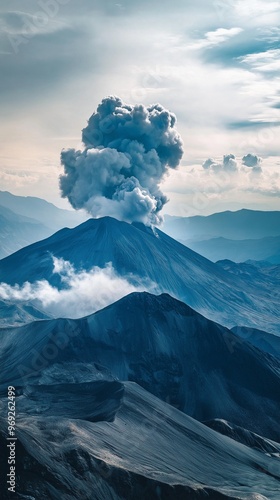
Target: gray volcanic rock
column 163, row 345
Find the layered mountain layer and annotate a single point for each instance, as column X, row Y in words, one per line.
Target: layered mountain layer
column 153, row 260
column 162, row 344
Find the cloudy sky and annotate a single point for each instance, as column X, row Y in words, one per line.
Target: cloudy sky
column 215, row 64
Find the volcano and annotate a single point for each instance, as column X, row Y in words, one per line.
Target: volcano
column 148, row 256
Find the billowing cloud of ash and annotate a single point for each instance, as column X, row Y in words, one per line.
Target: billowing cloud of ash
column 127, row 152
column 83, row 292
column 253, row 161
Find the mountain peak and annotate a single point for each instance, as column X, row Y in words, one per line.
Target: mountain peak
column 148, row 302
column 163, row 345
column 148, row 260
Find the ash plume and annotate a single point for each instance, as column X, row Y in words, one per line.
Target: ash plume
column 127, row 152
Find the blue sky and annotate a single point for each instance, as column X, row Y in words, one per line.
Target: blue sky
column 216, row 65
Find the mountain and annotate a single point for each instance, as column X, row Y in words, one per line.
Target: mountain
column 238, row 250
column 244, row 436
column 275, row 258
column 256, row 274
column 149, row 451
column 14, row 314
column 153, row 260
column 162, row 344
column 44, row 212
column 237, row 236
column 17, row 231
column 240, row 225
column 24, row 220
column 266, row 342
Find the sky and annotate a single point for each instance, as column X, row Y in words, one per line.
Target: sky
column 214, row 64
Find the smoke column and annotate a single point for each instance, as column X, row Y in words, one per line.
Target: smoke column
column 127, row 152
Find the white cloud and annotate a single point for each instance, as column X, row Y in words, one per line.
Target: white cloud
column 84, row 292
column 199, row 189
column 216, row 37
column 229, row 164
column 254, row 8
column 268, row 61
column 17, row 178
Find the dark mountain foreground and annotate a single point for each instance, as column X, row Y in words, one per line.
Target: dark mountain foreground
column 163, row 345
column 149, row 451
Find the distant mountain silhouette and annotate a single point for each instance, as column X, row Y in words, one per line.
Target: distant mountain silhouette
column 237, row 236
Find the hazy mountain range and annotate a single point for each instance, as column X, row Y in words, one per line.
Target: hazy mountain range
column 17, row 231
column 238, row 236
column 24, row 220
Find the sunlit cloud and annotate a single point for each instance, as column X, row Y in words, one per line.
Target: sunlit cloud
column 216, row 37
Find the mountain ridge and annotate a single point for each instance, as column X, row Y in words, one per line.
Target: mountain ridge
column 236, row 235
column 143, row 255
column 47, row 213
column 162, row 344
column 17, row 231
column 76, row 458
column 239, row 224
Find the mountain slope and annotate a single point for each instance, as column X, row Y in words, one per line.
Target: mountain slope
column 15, row 314
column 17, row 231
column 266, row 342
column 152, row 258
column 166, row 347
column 44, row 212
column 244, row 436
column 150, row 450
column 261, row 276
